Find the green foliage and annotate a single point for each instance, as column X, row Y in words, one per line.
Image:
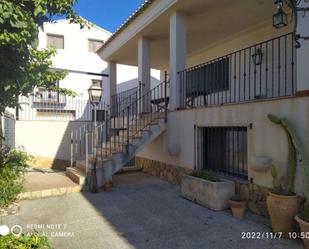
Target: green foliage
column 13, row 166
column 204, row 175
column 35, row 241
column 279, row 183
column 285, row 185
column 22, row 65
column 276, row 181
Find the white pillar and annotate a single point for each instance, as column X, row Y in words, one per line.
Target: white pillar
column 303, row 52
column 178, row 53
column 112, row 81
column 144, row 70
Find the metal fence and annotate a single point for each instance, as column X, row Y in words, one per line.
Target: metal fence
column 8, row 129
column 222, row 150
column 122, row 100
column 58, row 109
column 263, row 71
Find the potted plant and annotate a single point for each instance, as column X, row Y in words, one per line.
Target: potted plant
column 207, row 190
column 238, row 206
column 303, row 217
column 282, row 203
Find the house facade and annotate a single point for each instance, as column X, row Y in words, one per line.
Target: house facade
column 46, row 119
column 228, row 67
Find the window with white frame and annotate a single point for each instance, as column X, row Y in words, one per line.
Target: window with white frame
column 94, row 45
column 55, row 41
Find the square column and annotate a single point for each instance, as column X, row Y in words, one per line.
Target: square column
column 144, row 71
column 303, row 52
column 178, row 54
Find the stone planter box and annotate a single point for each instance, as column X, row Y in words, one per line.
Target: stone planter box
column 213, row 195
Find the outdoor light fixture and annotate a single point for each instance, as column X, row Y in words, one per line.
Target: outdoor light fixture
column 280, row 19
column 95, row 94
column 257, row 57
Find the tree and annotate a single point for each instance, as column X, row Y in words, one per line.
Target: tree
column 22, row 65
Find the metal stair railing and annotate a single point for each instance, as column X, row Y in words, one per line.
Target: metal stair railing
column 118, row 131
column 82, row 140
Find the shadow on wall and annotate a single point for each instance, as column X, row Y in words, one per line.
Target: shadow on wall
column 76, row 127
column 124, row 86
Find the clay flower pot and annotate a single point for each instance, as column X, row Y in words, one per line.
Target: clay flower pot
column 238, row 208
column 108, row 186
column 282, row 210
column 304, row 228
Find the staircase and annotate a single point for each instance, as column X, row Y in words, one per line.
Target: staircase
column 100, row 152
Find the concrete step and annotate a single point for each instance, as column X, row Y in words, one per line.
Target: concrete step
column 129, row 169
column 134, row 132
column 76, row 175
column 123, row 139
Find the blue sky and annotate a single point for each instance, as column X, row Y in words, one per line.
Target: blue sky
column 108, row 14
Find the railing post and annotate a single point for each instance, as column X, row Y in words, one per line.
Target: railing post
column 72, row 149
column 86, row 155
column 165, row 97
column 128, row 128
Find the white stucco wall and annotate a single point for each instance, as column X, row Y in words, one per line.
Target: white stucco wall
column 264, row 139
column 75, row 56
column 50, row 139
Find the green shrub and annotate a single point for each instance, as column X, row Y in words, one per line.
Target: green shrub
column 13, row 166
column 35, row 241
column 204, row 175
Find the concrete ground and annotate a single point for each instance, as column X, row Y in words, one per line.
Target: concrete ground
column 41, row 179
column 141, row 212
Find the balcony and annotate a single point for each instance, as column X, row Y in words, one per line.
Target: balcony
column 262, row 71
column 49, row 97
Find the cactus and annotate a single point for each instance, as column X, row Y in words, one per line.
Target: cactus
column 276, row 180
column 291, row 169
column 300, row 154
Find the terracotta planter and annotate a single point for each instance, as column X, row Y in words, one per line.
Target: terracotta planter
column 304, row 228
column 238, row 208
column 282, row 210
column 108, row 186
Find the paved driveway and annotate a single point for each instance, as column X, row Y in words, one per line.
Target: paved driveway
column 141, row 212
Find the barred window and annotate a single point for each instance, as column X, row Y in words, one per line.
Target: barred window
column 222, row 150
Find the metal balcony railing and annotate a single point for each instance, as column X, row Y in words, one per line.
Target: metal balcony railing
column 263, row 71
column 49, row 97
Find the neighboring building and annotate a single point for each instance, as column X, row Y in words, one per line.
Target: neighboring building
column 228, row 69
column 45, row 119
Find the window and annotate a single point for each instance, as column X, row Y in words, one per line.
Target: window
column 210, row 78
column 222, row 150
column 55, row 41
column 94, row 45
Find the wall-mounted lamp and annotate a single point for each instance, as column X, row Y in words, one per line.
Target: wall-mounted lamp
column 280, row 19
column 257, row 57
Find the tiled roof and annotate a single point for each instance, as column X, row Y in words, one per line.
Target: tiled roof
column 130, row 19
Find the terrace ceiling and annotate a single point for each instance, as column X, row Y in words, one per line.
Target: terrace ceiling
column 208, row 22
